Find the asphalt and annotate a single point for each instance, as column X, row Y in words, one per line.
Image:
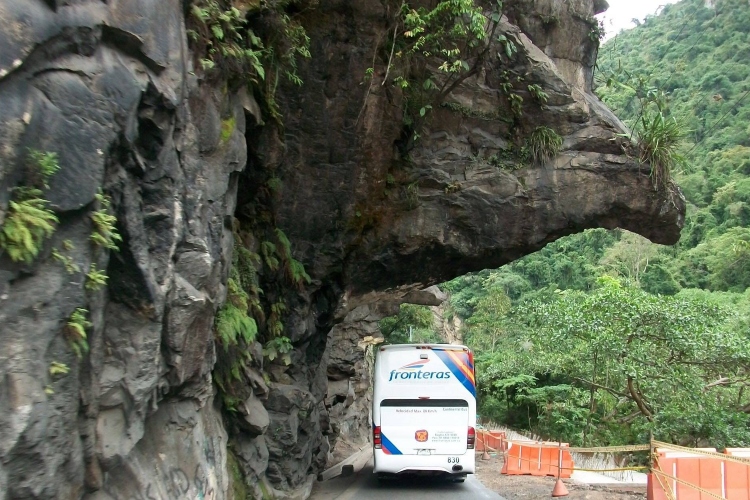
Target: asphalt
column 362, row 484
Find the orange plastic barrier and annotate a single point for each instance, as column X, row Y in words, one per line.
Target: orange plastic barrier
column 493, row 440
column 703, row 471
column 529, row 457
column 737, row 476
column 483, row 441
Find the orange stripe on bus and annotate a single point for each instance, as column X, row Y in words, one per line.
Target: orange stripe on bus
column 461, row 364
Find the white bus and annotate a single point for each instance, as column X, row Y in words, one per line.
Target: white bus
column 424, row 410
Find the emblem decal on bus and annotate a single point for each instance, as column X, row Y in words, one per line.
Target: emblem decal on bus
column 421, row 435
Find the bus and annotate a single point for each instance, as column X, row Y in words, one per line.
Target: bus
column 424, row 411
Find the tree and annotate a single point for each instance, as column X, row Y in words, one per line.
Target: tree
column 419, row 319
column 485, row 327
column 637, row 357
column 659, row 280
column 630, row 256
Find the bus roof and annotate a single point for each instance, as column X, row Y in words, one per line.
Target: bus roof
column 424, row 346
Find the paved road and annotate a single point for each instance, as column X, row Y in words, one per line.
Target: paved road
column 363, row 485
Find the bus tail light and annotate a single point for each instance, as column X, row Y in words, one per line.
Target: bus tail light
column 376, row 441
column 471, row 438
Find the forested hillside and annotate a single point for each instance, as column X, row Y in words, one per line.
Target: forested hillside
column 603, row 337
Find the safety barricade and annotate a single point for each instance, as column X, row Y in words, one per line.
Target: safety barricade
column 680, row 473
column 676, row 472
column 481, row 441
column 537, row 459
column 737, row 475
column 704, row 471
column 502, row 443
column 492, row 441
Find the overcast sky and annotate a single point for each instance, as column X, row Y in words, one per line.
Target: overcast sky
column 621, row 13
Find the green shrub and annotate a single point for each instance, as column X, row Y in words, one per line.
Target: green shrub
column 219, row 34
column 280, row 347
column 543, row 144
column 659, row 139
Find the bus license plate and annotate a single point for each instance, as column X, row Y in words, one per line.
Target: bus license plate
column 423, row 452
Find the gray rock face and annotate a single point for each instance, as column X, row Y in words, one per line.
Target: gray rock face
column 107, row 87
column 111, row 89
column 439, row 214
column 255, row 415
column 182, row 454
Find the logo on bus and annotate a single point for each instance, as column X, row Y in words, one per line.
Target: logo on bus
column 413, row 371
column 421, row 435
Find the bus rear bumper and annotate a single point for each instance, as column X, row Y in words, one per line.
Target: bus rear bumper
column 437, row 465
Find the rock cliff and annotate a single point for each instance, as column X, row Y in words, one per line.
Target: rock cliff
column 109, row 391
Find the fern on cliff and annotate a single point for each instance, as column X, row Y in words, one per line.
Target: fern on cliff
column 105, row 232
column 75, row 331
column 293, row 269
column 232, row 322
column 29, row 220
column 27, row 225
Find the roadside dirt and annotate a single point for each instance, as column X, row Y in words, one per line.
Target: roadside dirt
column 533, row 487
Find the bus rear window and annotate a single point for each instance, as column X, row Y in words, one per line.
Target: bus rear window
column 425, row 403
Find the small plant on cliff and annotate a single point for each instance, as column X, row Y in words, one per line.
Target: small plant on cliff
column 95, row 278
column 57, row 368
column 293, row 269
column 29, row 221
column 657, row 134
column 232, row 321
column 538, row 93
column 452, row 187
column 549, row 22
column 543, row 144
column 75, row 331
column 275, row 326
column 449, row 31
column 411, row 193
column 105, row 233
column 66, row 260
column 228, row 126
column 268, row 251
column 659, row 140
column 280, row 347
column 598, row 31
column 225, row 43
column 42, row 166
column 220, row 34
column 432, row 51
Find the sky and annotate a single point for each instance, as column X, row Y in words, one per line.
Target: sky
column 621, row 12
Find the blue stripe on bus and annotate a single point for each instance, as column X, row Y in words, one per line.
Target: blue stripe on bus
column 388, row 447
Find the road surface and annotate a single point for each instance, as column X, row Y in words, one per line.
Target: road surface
column 363, row 485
